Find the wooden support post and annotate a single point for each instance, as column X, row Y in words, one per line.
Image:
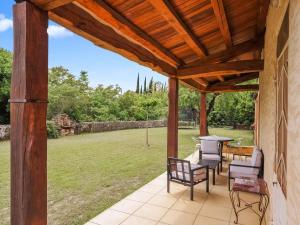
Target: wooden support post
column 203, row 118
column 173, row 118
column 29, row 93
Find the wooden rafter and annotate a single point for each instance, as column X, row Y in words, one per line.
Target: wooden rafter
column 81, row 23
column 214, row 70
column 49, row 5
column 190, row 83
column 104, row 13
column 220, row 14
column 237, row 80
column 170, row 14
column 223, row 56
column 221, row 78
column 262, row 16
column 201, row 81
column 233, row 88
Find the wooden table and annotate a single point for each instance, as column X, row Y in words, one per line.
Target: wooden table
column 219, row 139
column 258, row 187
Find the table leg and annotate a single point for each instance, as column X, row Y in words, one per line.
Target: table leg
column 214, row 176
column 231, row 195
column 221, row 152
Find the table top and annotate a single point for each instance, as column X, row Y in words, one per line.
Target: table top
column 212, row 164
column 215, row 138
column 258, row 186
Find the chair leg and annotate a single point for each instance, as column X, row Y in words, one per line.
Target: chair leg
column 168, row 185
column 207, row 180
column 228, row 182
column 192, row 193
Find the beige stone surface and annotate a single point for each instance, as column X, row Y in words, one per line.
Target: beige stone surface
column 293, row 159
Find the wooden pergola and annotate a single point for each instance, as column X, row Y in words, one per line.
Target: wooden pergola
column 207, row 45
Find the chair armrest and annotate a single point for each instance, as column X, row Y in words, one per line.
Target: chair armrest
column 239, row 165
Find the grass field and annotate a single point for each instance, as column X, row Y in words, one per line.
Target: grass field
column 88, row 173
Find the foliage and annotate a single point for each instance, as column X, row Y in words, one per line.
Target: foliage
column 52, row 130
column 5, row 75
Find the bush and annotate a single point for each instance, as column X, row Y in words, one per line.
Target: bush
column 52, row 130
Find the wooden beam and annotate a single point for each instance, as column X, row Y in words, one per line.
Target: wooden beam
column 172, row 142
column 214, row 70
column 232, row 88
column 203, row 116
column 169, row 13
column 81, row 23
column 28, row 109
column 223, row 56
column 103, row 13
column 49, row 5
column 237, row 80
column 221, row 78
column 201, row 81
column 220, row 14
column 192, row 84
column 262, row 16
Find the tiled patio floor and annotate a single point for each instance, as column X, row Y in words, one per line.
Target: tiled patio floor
column 152, row 205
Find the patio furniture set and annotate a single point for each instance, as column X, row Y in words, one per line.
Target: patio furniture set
column 247, row 174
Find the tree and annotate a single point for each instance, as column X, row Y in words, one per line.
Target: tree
column 138, row 84
column 150, row 89
column 141, row 90
column 145, row 86
column 5, row 76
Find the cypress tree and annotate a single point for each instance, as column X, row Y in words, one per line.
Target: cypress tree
column 151, row 85
column 138, row 84
column 145, row 86
column 141, row 90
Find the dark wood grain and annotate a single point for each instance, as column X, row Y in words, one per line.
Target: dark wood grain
column 203, row 116
column 172, row 142
column 28, row 117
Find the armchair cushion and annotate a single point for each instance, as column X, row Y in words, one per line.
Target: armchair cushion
column 211, row 156
column 240, row 171
column 210, row 147
column 256, row 157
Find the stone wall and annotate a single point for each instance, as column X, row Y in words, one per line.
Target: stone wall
column 288, row 208
column 293, row 153
column 94, row 127
column 4, row 132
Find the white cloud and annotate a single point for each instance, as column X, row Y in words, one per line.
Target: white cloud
column 5, row 23
column 58, row 32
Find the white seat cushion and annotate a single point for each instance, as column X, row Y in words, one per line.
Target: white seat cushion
column 199, row 174
column 211, row 156
column 237, row 171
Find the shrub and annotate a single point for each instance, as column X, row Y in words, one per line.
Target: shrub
column 52, row 130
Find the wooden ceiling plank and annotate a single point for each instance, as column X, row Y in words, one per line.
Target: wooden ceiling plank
column 221, row 78
column 202, row 81
column 237, row 80
column 214, row 70
column 228, row 54
column 262, row 16
column 53, row 4
column 104, row 13
column 112, row 42
column 233, row 88
column 220, row 14
column 173, row 18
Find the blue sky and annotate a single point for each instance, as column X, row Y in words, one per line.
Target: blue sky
column 76, row 54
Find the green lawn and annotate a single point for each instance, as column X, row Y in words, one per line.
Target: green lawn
column 88, row 173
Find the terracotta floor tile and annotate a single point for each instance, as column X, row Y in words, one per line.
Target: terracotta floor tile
column 163, row 201
column 175, row 217
column 215, row 212
column 151, row 212
column 110, row 217
column 187, row 206
column 127, row 206
column 150, row 188
column 134, row 220
column 202, row 220
column 140, row 196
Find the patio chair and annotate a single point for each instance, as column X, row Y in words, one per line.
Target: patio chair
column 183, row 172
column 251, row 169
column 211, row 150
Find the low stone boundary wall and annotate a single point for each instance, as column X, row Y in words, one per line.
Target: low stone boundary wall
column 94, row 127
column 4, row 132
